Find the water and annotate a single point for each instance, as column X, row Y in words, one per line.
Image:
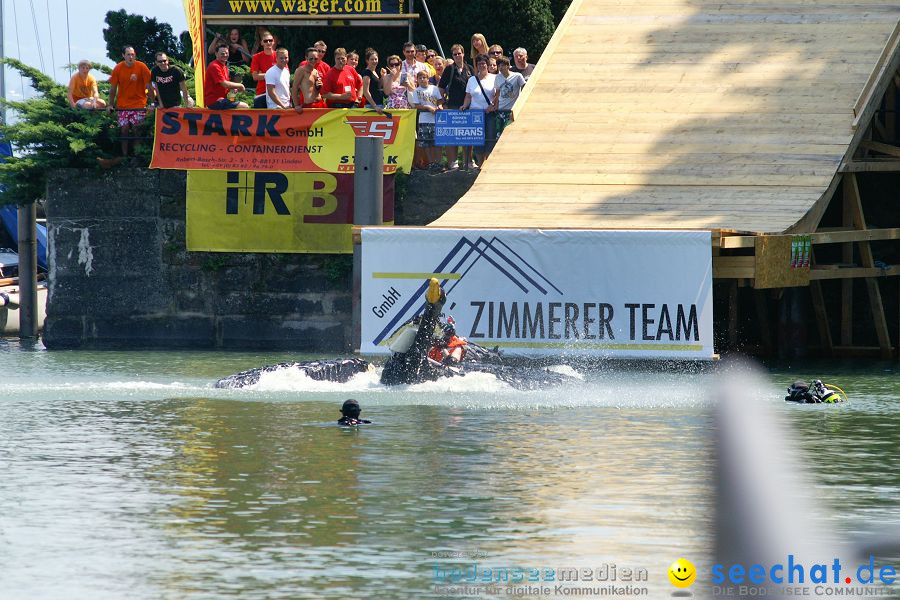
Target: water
column 127, row 474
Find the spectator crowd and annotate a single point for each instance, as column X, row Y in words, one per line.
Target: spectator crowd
column 482, row 78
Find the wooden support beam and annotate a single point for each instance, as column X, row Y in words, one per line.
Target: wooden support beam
column 849, row 273
column 890, row 117
column 732, row 315
column 823, row 236
column 871, row 166
column 847, row 258
column 818, row 302
column 760, row 298
column 881, row 148
column 868, row 262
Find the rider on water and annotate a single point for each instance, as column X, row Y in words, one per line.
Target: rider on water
column 448, row 349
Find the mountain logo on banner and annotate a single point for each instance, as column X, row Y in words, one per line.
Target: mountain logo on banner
column 459, row 261
column 374, row 127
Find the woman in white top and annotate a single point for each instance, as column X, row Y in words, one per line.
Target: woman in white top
column 480, row 96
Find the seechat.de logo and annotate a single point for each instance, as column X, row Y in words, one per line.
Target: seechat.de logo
column 375, row 127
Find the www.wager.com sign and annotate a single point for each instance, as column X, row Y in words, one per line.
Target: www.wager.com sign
column 629, row 294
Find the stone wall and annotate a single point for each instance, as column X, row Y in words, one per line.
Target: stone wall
column 120, row 275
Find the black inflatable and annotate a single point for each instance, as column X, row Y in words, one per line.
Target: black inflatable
column 412, row 365
column 339, row 370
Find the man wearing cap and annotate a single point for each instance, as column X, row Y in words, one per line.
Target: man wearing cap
column 422, row 57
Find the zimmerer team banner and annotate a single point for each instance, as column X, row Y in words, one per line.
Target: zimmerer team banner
column 318, row 140
column 628, row 294
column 239, row 211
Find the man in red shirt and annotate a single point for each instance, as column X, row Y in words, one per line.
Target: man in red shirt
column 217, row 86
column 262, row 62
column 339, row 86
column 128, row 87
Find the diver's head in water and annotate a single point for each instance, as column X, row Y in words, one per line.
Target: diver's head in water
column 350, row 408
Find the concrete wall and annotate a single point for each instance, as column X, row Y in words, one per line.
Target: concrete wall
column 120, row 275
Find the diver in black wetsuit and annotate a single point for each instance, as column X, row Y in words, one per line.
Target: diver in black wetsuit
column 350, row 414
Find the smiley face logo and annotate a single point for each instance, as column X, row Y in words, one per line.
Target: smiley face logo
column 682, row 573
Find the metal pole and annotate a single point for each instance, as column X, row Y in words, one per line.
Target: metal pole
column 28, row 321
column 433, row 30
column 368, row 209
column 412, row 4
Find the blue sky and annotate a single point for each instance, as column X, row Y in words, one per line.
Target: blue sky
column 85, row 31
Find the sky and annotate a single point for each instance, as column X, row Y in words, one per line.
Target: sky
column 85, row 31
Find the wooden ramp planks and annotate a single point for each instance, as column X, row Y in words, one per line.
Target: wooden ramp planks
column 713, row 114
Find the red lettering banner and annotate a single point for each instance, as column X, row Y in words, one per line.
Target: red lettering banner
column 318, row 140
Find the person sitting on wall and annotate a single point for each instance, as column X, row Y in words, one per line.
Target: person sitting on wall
column 219, row 92
column 83, row 88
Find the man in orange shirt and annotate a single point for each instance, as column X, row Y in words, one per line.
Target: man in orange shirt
column 128, row 86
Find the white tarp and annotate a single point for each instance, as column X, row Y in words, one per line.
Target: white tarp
column 635, row 294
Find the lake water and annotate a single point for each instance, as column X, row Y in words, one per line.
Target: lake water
column 125, row 474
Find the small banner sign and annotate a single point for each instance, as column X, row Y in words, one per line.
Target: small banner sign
column 237, row 211
column 318, row 140
column 285, row 9
column 459, row 128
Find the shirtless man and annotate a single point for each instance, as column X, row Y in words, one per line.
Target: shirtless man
column 307, row 83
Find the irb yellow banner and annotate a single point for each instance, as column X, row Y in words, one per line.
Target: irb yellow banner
column 245, row 211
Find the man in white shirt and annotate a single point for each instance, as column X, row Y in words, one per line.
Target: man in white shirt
column 278, row 82
column 410, row 66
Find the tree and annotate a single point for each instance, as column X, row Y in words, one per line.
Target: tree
column 49, row 135
column 147, row 36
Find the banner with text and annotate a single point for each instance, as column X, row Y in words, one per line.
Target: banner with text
column 459, row 128
column 318, row 140
column 195, row 28
column 237, row 211
column 629, row 294
column 294, row 8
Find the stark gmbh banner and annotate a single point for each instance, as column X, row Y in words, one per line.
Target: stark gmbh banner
column 629, row 294
column 318, row 140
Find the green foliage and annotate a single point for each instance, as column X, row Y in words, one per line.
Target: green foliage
column 148, row 36
column 558, row 8
column 48, row 135
column 510, row 23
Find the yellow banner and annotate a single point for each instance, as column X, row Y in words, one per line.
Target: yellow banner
column 195, row 27
column 245, row 211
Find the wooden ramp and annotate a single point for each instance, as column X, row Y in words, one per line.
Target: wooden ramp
column 730, row 115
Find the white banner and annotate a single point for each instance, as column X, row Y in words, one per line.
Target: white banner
column 628, row 294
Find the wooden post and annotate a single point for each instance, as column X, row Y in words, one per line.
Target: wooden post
column 868, row 261
column 847, row 258
column 765, row 329
column 733, row 314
